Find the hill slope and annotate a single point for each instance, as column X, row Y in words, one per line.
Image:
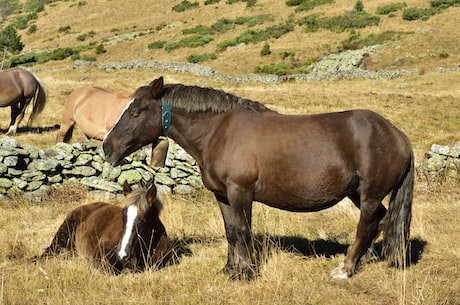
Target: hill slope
column 127, row 28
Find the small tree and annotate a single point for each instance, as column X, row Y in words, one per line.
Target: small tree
column 359, row 6
column 265, row 50
column 10, row 38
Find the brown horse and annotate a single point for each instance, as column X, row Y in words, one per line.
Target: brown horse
column 115, row 238
column 94, row 110
column 299, row 163
column 17, row 88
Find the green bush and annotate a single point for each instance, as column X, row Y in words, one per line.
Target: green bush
column 200, row 30
column 355, row 41
column 191, row 42
column 415, row 13
column 32, row 29
column 157, row 44
column 196, row 58
column 100, row 49
column 222, row 25
column 81, row 37
column 41, row 57
column 22, row 21
column 307, row 5
column 209, row 2
column 10, row 38
column 390, row 8
column 265, row 50
column 64, row 29
column 185, row 5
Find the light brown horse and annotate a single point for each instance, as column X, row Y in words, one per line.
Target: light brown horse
column 18, row 87
column 94, row 110
column 113, row 237
column 300, row 163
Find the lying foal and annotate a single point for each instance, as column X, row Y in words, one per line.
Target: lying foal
column 116, row 238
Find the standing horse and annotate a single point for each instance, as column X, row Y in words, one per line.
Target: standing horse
column 17, row 88
column 93, row 109
column 298, row 163
column 115, row 238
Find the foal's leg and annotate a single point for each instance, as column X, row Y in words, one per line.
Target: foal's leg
column 372, row 212
column 236, row 212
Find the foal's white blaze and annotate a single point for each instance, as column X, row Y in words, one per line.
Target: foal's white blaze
column 130, row 217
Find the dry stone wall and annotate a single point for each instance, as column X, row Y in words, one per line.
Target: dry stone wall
column 441, row 163
column 32, row 170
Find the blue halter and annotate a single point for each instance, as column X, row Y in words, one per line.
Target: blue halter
column 165, row 116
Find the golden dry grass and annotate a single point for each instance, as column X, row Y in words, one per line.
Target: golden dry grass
column 424, row 106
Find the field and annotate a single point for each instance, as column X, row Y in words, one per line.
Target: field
column 296, row 250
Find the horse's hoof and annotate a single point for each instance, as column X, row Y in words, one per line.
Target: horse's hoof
column 339, row 274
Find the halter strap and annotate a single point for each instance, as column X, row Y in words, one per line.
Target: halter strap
column 165, row 116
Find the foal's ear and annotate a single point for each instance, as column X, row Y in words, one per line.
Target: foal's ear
column 126, row 188
column 151, row 193
column 157, row 86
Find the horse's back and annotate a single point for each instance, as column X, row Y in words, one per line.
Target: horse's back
column 95, row 109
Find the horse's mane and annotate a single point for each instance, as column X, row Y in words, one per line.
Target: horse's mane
column 138, row 197
column 199, row 99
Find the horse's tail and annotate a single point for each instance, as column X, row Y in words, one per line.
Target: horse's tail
column 397, row 232
column 39, row 100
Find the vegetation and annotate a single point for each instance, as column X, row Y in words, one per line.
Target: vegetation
column 355, row 41
column 184, row 6
column 307, row 5
column 192, row 41
column 41, row 57
column 390, row 8
column 289, row 65
column 197, row 58
column 10, row 39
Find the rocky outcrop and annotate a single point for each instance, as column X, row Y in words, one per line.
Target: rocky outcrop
column 29, row 169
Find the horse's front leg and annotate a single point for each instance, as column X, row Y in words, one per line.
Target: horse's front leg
column 237, row 214
column 13, row 123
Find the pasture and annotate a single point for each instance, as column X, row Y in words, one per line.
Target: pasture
column 296, row 251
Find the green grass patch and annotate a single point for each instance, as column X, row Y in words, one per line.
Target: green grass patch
column 157, row 44
column 390, row 8
column 185, row 5
column 307, row 5
column 355, row 41
column 190, row 42
column 196, row 58
column 41, row 57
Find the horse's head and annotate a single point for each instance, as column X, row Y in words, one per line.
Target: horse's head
column 139, row 124
column 142, row 228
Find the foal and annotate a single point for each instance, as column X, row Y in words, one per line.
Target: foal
column 116, row 238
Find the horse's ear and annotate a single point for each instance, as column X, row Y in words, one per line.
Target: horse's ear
column 157, row 86
column 151, row 193
column 126, row 188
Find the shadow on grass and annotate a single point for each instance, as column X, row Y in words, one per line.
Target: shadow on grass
column 328, row 248
column 28, row 129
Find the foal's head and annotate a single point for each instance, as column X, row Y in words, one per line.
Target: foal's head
column 142, row 228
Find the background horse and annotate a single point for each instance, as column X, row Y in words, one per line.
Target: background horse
column 94, row 110
column 101, row 231
column 300, row 163
column 17, row 88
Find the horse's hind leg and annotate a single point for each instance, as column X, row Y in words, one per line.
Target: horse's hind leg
column 65, row 131
column 64, row 237
column 13, row 122
column 372, row 212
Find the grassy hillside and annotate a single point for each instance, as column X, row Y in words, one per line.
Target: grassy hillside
column 297, row 249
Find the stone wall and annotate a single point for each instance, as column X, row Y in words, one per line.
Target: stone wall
column 29, row 169
column 441, row 164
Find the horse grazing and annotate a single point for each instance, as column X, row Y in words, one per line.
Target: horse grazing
column 17, row 88
column 94, row 110
column 113, row 237
column 299, row 163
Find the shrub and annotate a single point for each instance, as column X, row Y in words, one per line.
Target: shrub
column 81, row 37
column 415, row 13
column 191, row 42
column 196, row 58
column 185, row 5
column 390, row 8
column 65, row 29
column 355, row 41
column 157, row 44
column 32, row 29
column 222, row 25
column 265, row 50
column 208, row 2
column 100, row 49
column 307, row 5
column 199, row 29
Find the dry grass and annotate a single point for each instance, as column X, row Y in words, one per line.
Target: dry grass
column 297, row 250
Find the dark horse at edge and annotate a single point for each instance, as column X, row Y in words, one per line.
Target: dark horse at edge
column 299, row 163
column 18, row 87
